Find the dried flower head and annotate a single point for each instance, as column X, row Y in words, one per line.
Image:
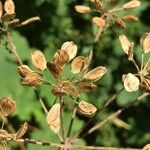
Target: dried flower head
column 23, row 70
column 132, row 4
column 7, row 106
column 145, row 42
column 70, row 48
column 9, row 7
column 99, row 21
column 82, row 9
column 53, row 118
column 86, row 108
column 131, row 82
column 146, row 147
column 38, row 60
column 95, row 74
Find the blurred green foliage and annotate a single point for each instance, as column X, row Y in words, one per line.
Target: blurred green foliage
column 59, row 23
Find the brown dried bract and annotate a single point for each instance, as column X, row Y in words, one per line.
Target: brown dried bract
column 53, row 118
column 38, row 60
column 99, row 21
column 82, row 9
column 70, row 48
column 86, row 108
column 132, row 4
column 78, row 64
column 24, row 70
column 7, row 106
column 95, row 74
column 145, row 42
column 9, row 7
column 32, row 79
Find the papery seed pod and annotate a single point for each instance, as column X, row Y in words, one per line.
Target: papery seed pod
column 78, row 64
column 22, row 130
column 86, row 86
column 54, row 69
column 70, row 48
column 130, row 18
column 24, row 70
column 53, row 118
column 145, row 42
column 1, row 9
column 38, row 60
column 99, row 21
column 86, row 108
column 125, row 43
column 95, row 74
column 60, row 58
column 58, row 91
column 4, row 135
column 146, row 147
column 82, row 9
column 119, row 22
column 9, row 7
column 8, row 17
column 131, row 82
column 7, row 106
column 132, row 4
column 32, row 79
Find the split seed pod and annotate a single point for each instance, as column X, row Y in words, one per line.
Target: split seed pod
column 119, row 22
column 38, row 60
column 70, row 48
column 86, row 108
column 23, row 70
column 131, row 82
column 132, row 4
column 9, row 7
column 99, row 21
column 82, row 9
column 95, row 74
column 7, row 106
column 1, row 9
column 145, row 42
column 78, row 64
column 53, row 118
column 146, row 147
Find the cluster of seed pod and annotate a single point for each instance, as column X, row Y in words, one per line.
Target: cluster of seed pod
column 132, row 82
column 109, row 16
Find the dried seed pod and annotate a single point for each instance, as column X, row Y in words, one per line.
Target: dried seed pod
column 130, row 18
column 4, row 135
column 119, row 22
column 38, row 60
column 78, row 64
column 82, row 9
column 70, row 48
column 145, row 42
column 60, row 58
column 53, row 118
column 54, row 69
column 9, row 7
column 146, row 147
column 1, row 9
column 7, row 106
column 86, row 86
column 32, row 79
column 8, row 17
column 86, row 108
column 131, row 82
column 132, row 4
column 99, row 21
column 23, row 70
column 95, row 74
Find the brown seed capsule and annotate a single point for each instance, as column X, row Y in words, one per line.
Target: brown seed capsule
column 99, row 21
column 86, row 108
column 8, row 17
column 7, row 106
column 86, row 86
column 70, row 48
column 4, row 135
column 23, row 70
column 95, row 74
column 130, row 18
column 60, row 58
column 53, row 118
column 9, row 7
column 1, row 9
column 82, row 9
column 132, row 4
column 131, row 82
column 78, row 64
column 145, row 42
column 38, row 60
column 146, row 147
column 119, row 22
column 32, row 79
column 54, row 69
